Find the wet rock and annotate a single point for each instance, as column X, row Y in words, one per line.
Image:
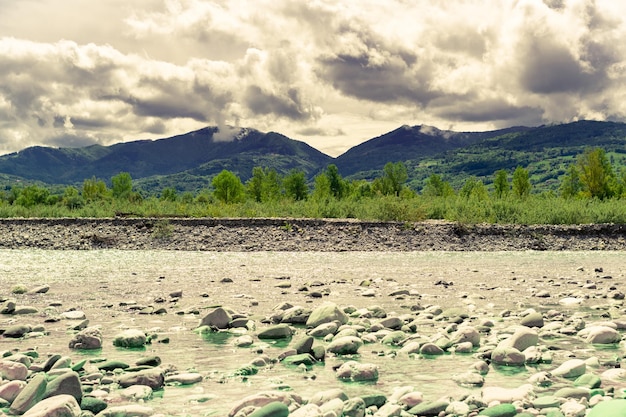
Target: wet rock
column 471, row 379
column 10, row 390
column 431, row 408
column 95, row 405
column 186, row 378
column 521, row 339
column 58, row 406
column 279, row 331
column 571, row 369
column 507, row 395
column 89, row 338
column 431, row 349
column 534, row 319
column 322, row 397
column 262, row 399
column 218, row 318
column 112, row 365
column 13, row 370
column 73, row 315
column 17, row 331
column 67, row 383
column 303, row 344
column 356, row 371
column 589, row 381
column 131, row 338
column 296, row 315
column 611, row 408
column 500, row 410
column 508, row 356
column 326, row 313
column 132, row 410
column 307, row 410
column 301, row 359
column 347, row 345
column 600, row 335
column 137, row 393
column 324, row 329
column 354, row 407
column 153, row 378
column 32, row 393
column 41, row 289
column 466, row 334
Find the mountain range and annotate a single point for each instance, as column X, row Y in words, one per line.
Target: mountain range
column 188, row 161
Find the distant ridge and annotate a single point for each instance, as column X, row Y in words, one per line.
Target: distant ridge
column 187, row 162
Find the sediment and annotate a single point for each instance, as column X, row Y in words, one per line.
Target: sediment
column 324, row 235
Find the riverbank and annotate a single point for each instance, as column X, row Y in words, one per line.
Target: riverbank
column 325, row 235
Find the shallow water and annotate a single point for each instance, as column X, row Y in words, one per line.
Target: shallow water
column 104, row 284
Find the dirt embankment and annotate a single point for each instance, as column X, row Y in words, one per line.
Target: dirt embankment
column 300, row 235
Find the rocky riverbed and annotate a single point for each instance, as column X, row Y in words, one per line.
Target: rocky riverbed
column 301, row 235
column 383, row 331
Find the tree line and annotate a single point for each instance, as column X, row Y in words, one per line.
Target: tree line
column 387, row 197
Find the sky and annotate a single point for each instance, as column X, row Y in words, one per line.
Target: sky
column 332, row 73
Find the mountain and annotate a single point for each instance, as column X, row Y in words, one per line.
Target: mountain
column 195, row 154
column 409, row 143
column 187, row 162
column 545, row 151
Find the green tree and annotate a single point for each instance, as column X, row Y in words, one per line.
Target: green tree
column 393, row 178
column 169, row 194
column 94, row 189
column 436, row 187
column 336, row 183
column 596, row 174
column 228, row 187
column 71, row 198
column 321, row 188
column 32, row 195
column 295, row 185
column 264, row 185
column 521, row 182
column 571, row 185
column 121, row 185
column 501, row 186
column 473, row 188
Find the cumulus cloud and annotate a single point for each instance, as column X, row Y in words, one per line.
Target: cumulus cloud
column 339, row 70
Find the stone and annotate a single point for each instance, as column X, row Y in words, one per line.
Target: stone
column 131, row 338
column 324, row 329
column 149, row 361
column 95, row 405
column 137, row 393
column 112, row 365
column 347, row 345
column 508, row 356
column 521, row 339
column 58, row 406
column 507, row 395
column 500, row 410
column 307, row 410
column 601, row 335
column 186, row 378
column 546, row 401
column 32, row 393
column 356, row 371
column 326, row 313
column 273, row 409
column 67, row 383
column 244, row 341
column 573, row 409
column 431, row 408
column 572, row 368
column 322, row 397
column 262, row 399
column 10, row 390
column 25, row 310
column 295, row 360
column 153, row 378
column 13, row 370
column 534, row 319
column 610, row 408
column 73, row 315
column 88, row 338
column 431, row 349
column 218, row 318
column 466, row 334
column 471, row 379
column 296, row 315
column 393, row 338
column 394, row 323
column 573, row 392
column 40, row 289
column 589, row 381
column 354, row 407
column 132, row 410
column 16, row 331
column 279, row 331
column 303, row 344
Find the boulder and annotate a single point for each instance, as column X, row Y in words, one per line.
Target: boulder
column 58, row 406
column 521, row 339
column 356, row 371
column 153, row 378
column 611, row 408
column 279, row 331
column 218, row 318
column 32, row 393
column 534, row 319
column 13, row 370
column 132, row 410
column 326, row 313
column 572, row 368
column 601, row 335
column 273, row 409
column 88, row 338
column 508, row 356
column 10, row 390
column 347, row 345
column 67, row 383
column 131, row 338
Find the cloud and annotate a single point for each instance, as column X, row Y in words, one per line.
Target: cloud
column 162, row 67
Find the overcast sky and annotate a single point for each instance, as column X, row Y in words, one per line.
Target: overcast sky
column 329, row 72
